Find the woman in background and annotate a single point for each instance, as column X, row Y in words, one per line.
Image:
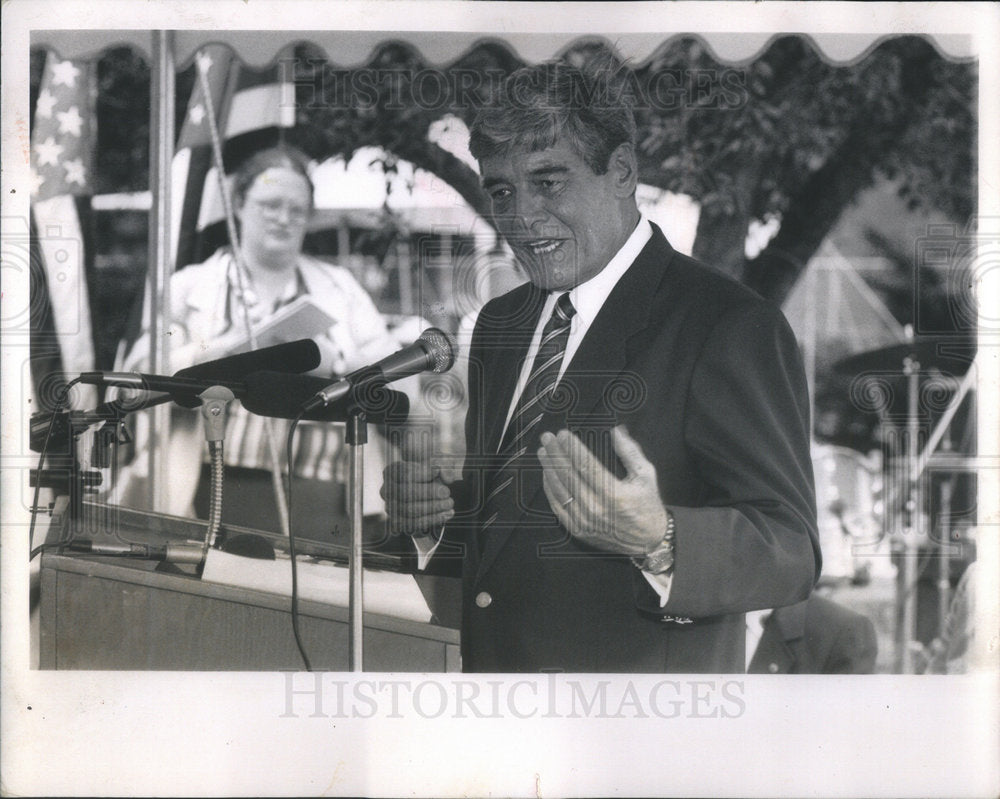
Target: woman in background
column 212, row 308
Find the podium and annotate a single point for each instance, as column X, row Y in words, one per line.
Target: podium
column 129, row 614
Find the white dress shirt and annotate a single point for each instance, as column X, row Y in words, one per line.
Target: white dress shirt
column 588, row 298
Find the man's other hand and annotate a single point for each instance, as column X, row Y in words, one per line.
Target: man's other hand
column 416, row 498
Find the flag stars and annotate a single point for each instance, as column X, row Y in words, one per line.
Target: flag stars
column 48, row 152
column 46, row 102
column 64, row 74
column 196, row 114
column 70, row 122
column 75, row 172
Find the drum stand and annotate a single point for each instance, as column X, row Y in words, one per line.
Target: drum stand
column 905, row 465
column 913, row 516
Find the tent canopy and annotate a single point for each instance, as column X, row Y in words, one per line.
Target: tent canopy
column 352, row 48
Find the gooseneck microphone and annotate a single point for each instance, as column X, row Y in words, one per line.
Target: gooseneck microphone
column 268, row 383
column 177, row 387
column 434, row 351
column 293, row 357
column 185, row 386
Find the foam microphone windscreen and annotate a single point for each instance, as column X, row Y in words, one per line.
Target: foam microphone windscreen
column 282, row 396
column 292, row 357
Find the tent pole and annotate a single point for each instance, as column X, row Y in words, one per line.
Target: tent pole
column 161, row 152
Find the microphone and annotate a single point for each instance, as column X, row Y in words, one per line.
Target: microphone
column 284, row 397
column 184, row 387
column 179, row 388
column 297, row 357
column 275, row 394
column 434, row 351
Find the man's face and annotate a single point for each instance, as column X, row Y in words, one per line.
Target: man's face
column 563, row 222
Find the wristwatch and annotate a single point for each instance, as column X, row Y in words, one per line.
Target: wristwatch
column 661, row 559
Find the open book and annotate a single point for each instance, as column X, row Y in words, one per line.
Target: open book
column 302, row 318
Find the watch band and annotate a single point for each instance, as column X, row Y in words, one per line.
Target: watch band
column 661, row 559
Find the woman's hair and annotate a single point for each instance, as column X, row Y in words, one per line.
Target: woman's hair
column 281, row 157
column 590, row 106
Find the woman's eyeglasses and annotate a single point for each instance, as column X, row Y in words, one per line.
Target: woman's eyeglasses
column 273, row 208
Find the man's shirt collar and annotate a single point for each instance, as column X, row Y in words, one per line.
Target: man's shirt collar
column 589, row 296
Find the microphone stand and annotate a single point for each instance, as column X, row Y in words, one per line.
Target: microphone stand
column 215, row 401
column 356, row 437
column 353, row 407
column 66, row 476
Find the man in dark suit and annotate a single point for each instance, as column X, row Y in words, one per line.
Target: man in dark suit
column 637, row 472
column 816, row 636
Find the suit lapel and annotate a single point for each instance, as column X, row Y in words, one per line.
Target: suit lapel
column 602, row 355
column 503, row 358
column 606, row 349
column 503, row 355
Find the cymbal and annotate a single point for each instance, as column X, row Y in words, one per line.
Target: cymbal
column 949, row 357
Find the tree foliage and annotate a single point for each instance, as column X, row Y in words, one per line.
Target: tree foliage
column 392, row 101
column 787, row 135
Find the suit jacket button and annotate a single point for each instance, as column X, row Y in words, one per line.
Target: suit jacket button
column 773, row 668
column 483, row 599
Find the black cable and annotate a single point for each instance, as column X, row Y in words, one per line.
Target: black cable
column 291, row 545
column 42, row 547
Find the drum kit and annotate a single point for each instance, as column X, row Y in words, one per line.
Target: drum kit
column 883, row 508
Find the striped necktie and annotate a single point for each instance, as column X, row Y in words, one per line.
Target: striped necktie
column 522, row 433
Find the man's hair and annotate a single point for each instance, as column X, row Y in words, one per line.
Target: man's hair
column 590, row 106
column 281, row 157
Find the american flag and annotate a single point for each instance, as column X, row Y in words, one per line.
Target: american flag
column 62, row 159
column 252, row 110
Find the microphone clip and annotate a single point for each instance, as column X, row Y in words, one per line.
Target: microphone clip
column 213, row 409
